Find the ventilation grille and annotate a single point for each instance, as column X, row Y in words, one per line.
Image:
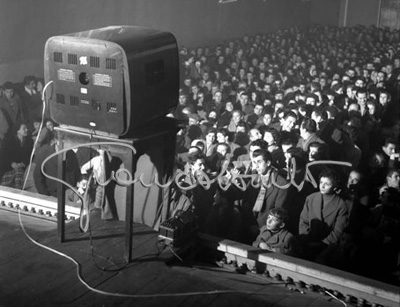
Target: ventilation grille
column 72, row 59
column 58, row 57
column 111, row 64
column 94, row 61
column 96, row 105
column 60, row 98
column 111, row 107
column 74, row 101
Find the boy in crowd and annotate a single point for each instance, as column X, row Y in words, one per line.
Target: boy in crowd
column 274, row 235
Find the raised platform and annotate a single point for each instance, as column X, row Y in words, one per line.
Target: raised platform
column 31, row 275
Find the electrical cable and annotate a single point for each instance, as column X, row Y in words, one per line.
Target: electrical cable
column 174, row 253
column 40, row 130
column 334, row 296
column 155, row 295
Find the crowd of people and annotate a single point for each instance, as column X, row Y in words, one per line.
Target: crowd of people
column 292, row 138
column 289, row 141
column 21, row 115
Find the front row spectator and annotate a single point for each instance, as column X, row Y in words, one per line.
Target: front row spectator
column 324, row 216
column 274, row 235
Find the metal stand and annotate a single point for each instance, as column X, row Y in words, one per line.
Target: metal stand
column 157, row 145
column 70, row 139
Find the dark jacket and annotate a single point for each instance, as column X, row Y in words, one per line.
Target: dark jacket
column 282, row 242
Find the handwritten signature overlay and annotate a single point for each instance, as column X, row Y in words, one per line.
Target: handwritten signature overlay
column 185, row 180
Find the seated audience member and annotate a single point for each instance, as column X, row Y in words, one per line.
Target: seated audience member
column 46, row 134
column 237, row 116
column 295, row 172
column 273, row 138
column 274, row 235
column 225, row 118
column 254, row 134
column 328, row 132
column 201, row 199
column 210, row 137
column 217, row 159
column 265, row 120
column 392, row 180
column 243, row 163
column 385, row 223
column 224, row 136
column 351, row 152
column 355, row 190
column 286, row 126
column 267, row 195
column 182, row 158
column 379, row 163
column 317, row 151
column 388, row 152
column 15, row 156
column 12, row 106
column 242, row 141
column 251, row 119
column 324, row 216
column 36, row 126
column 308, row 129
column 224, row 218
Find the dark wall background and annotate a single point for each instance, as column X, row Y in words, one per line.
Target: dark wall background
column 362, row 12
column 325, row 12
column 25, row 25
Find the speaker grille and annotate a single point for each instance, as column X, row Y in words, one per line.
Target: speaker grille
column 111, row 107
column 111, row 63
column 72, row 59
column 60, row 98
column 94, row 61
column 74, row 101
column 58, row 57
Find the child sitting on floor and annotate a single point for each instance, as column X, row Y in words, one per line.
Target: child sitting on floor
column 275, row 237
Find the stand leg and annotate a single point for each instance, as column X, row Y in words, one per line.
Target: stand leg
column 129, row 224
column 61, row 199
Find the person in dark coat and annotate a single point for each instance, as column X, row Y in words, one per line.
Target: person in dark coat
column 324, row 216
column 15, row 154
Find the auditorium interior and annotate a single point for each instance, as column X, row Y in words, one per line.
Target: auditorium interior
column 200, row 153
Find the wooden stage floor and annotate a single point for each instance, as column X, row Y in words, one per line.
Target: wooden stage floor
column 31, row 275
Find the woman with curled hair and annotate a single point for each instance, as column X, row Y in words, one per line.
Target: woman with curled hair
column 14, row 156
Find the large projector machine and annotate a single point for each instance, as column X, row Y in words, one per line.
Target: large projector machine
column 113, row 80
